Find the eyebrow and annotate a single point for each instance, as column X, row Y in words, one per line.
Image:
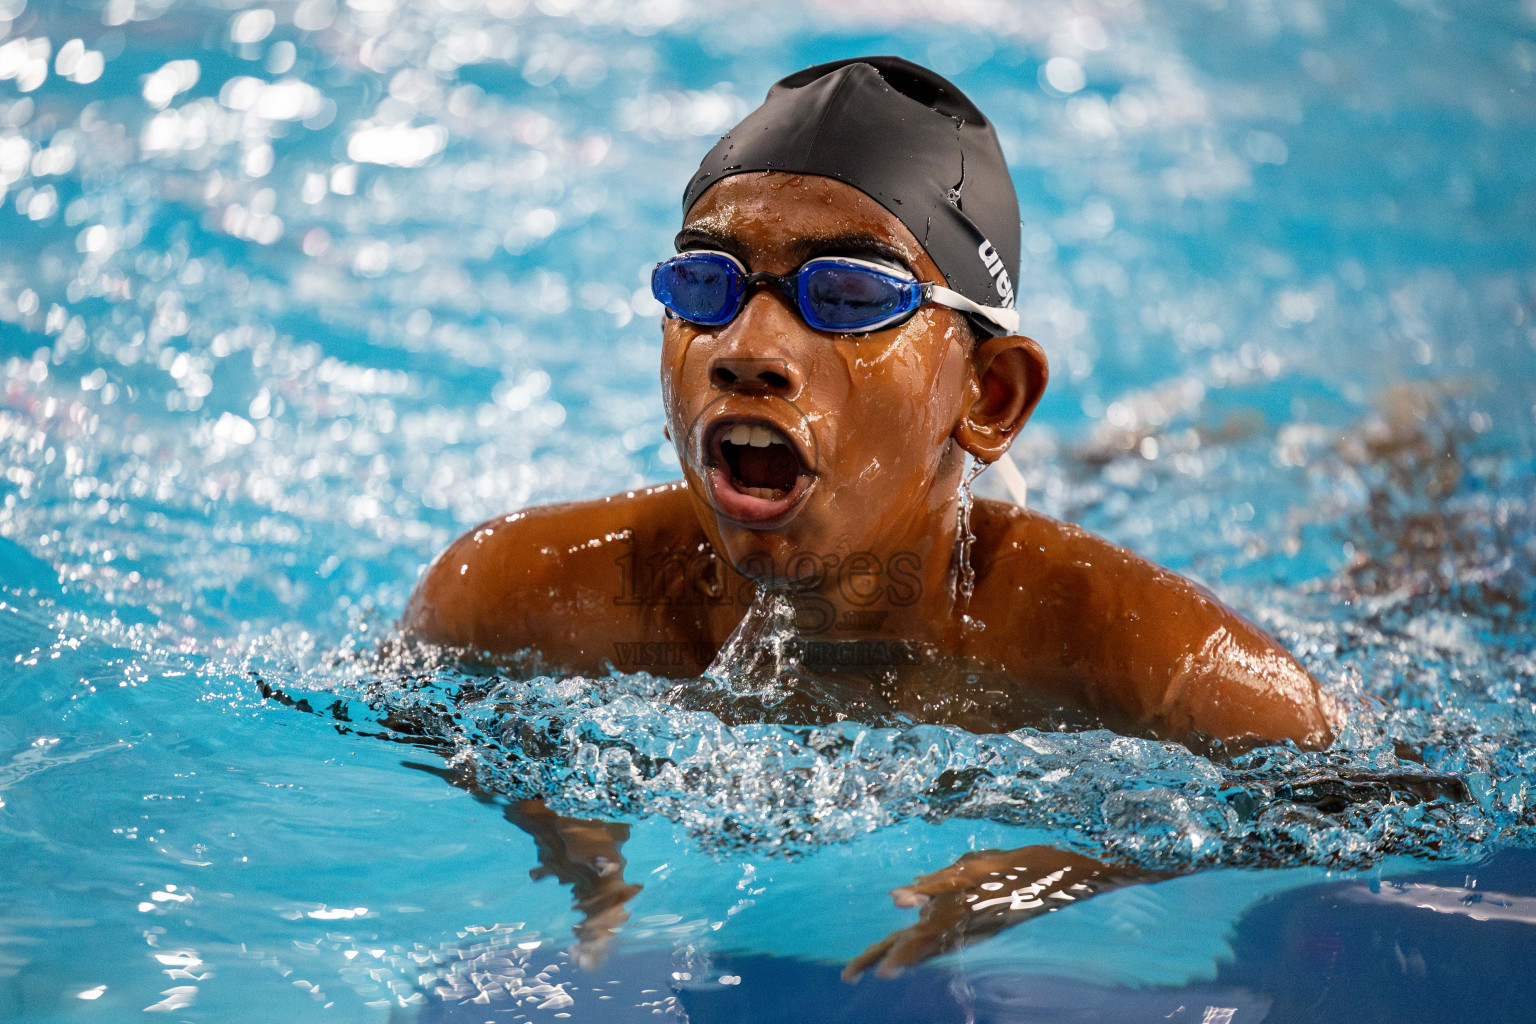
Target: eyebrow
column 853, row 244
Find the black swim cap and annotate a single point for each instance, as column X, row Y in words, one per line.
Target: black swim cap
column 906, row 138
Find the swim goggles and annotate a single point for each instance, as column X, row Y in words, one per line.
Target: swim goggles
column 836, row 294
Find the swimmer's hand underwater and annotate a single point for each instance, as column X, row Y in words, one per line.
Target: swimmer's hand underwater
column 578, row 852
column 983, row 893
column 831, row 462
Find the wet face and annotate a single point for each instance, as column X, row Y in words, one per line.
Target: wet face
column 803, row 448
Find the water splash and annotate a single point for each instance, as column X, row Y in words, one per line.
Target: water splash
column 965, row 580
column 625, row 744
column 759, row 654
column 759, row 675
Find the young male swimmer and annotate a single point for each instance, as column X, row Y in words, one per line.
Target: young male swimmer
column 840, row 335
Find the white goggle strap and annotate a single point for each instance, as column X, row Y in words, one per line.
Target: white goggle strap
column 1002, row 316
column 1018, row 488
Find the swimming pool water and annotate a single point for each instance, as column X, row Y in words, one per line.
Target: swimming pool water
column 292, row 295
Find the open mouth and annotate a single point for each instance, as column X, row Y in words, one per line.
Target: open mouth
column 757, row 473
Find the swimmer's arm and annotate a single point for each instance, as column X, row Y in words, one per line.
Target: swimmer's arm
column 1188, row 667
column 1240, row 685
column 470, row 594
column 984, row 892
column 581, row 853
column 585, row 855
column 515, row 583
column 1151, row 650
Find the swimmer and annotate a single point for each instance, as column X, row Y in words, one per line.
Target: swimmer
column 840, row 341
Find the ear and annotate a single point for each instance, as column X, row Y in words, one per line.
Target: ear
column 1008, row 378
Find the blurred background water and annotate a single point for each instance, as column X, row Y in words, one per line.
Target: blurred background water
column 291, row 295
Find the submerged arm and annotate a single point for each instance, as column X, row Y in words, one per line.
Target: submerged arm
column 582, row 853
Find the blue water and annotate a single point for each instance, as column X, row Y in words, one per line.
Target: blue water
column 277, row 324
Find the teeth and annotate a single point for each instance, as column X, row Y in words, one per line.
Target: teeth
column 756, row 436
column 770, row 493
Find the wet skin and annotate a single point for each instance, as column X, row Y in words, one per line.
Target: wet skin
column 856, row 507
column 879, row 425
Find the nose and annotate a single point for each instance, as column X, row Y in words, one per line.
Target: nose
column 756, row 352
column 729, row 373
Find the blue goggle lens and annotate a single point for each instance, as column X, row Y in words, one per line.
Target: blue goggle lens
column 833, row 295
column 705, row 288
column 836, row 296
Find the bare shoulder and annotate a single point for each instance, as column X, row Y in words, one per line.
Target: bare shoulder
column 1131, row 637
column 1079, row 596
column 1025, row 552
column 523, row 578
